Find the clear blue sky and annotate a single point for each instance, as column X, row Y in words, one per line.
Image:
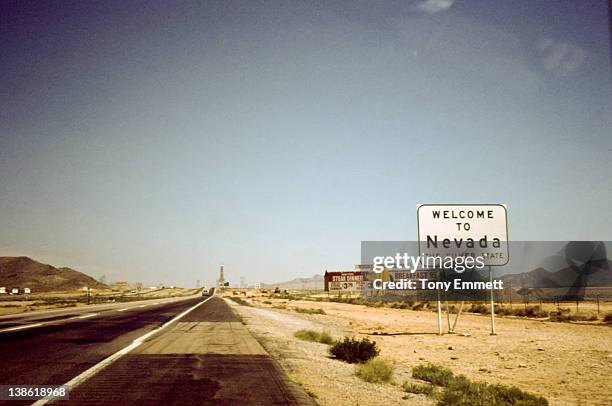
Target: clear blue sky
column 153, row 141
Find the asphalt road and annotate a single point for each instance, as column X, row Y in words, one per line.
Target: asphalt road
column 205, row 357
column 11, row 322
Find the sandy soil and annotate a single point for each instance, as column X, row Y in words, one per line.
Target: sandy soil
column 569, row 364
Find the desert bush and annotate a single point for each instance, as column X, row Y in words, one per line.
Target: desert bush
column 307, row 335
column 326, row 338
column 460, row 391
column 463, row 392
column 267, row 302
column 608, row 318
column 479, row 308
column 405, row 306
column 504, row 311
column 354, row 351
column 580, row 317
column 536, row 311
column 281, row 307
column 433, row 373
column 400, row 305
column 531, row 311
column 566, row 316
column 309, row 311
column 240, row 301
column 375, row 370
column 558, row 316
column 418, row 306
column 310, row 335
column 419, row 389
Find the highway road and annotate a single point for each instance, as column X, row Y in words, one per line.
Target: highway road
column 189, row 351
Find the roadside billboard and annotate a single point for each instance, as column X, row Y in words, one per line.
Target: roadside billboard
column 350, row 281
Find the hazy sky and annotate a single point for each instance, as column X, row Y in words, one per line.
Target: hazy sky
column 152, row 141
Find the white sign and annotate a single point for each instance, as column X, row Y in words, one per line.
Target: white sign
column 464, row 230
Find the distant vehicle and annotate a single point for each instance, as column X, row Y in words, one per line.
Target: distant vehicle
column 3, row 289
column 27, row 290
column 208, row 292
column 14, row 291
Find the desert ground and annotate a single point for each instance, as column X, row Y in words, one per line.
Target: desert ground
column 568, row 363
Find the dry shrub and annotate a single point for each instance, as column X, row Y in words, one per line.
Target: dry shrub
column 375, row 370
column 354, row 351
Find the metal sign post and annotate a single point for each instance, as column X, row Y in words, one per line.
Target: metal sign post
column 450, row 330
column 439, row 314
column 492, row 304
column 457, row 317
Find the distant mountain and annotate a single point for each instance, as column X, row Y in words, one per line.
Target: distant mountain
column 24, row 272
column 313, row 283
column 600, row 276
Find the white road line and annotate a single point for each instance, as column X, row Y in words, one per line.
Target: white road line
column 87, row 316
column 79, row 379
column 122, row 310
column 22, row 327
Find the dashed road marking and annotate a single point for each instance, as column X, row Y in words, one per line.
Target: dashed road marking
column 22, row 327
column 86, row 316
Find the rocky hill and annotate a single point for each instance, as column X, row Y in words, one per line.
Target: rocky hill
column 24, row 272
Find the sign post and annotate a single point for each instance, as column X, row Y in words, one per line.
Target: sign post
column 492, row 304
column 439, row 314
column 457, row 317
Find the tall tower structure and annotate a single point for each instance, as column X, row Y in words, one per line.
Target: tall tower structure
column 221, row 280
